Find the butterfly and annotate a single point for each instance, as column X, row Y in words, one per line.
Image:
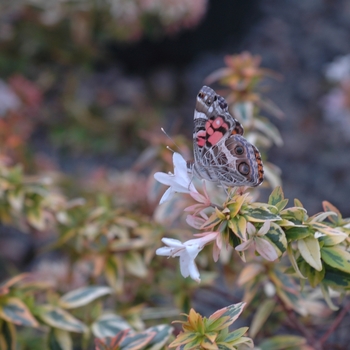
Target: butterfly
column 221, row 153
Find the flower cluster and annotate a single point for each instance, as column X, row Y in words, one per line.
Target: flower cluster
column 225, row 224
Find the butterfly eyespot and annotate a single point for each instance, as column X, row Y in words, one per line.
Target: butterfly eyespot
column 200, row 95
column 239, row 150
column 208, row 102
column 244, row 169
column 215, row 98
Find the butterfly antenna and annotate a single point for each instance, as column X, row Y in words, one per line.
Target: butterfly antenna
column 172, row 140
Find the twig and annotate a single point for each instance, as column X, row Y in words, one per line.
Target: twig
column 335, row 324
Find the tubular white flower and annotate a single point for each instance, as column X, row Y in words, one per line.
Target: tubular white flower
column 187, row 252
column 180, row 181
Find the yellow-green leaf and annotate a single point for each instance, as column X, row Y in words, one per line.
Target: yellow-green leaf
column 238, row 225
column 135, row 265
column 262, row 314
column 309, row 248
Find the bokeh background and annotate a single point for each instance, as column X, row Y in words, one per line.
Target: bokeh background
column 86, row 85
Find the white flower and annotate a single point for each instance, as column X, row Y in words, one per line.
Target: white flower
column 187, row 252
column 180, row 181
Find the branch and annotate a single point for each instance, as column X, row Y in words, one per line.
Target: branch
column 335, row 324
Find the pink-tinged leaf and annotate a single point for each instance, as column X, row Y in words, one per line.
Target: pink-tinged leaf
column 13, row 280
column 321, row 216
column 265, row 249
column 330, row 207
column 13, row 310
column 245, row 245
column 233, row 311
column 249, row 272
column 195, row 221
column 111, row 343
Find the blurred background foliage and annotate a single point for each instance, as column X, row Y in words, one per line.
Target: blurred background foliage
column 85, row 87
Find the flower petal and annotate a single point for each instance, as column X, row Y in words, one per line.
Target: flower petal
column 167, row 195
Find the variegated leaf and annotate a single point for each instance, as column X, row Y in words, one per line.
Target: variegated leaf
column 259, row 215
column 277, row 237
column 238, row 225
column 109, row 326
column 13, row 310
column 337, row 258
column 163, row 333
column 83, row 296
column 61, row 319
column 137, row 341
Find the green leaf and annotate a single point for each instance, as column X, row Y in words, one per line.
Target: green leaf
column 309, row 249
column 314, row 276
column 8, row 339
column 259, row 215
column 60, row 340
column 83, row 296
column 337, row 258
column 262, row 314
column 336, row 279
column 296, row 233
column 13, row 310
column 281, row 342
column 61, row 319
column 109, row 326
column 237, row 333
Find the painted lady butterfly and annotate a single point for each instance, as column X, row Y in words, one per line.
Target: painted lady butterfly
column 221, row 153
